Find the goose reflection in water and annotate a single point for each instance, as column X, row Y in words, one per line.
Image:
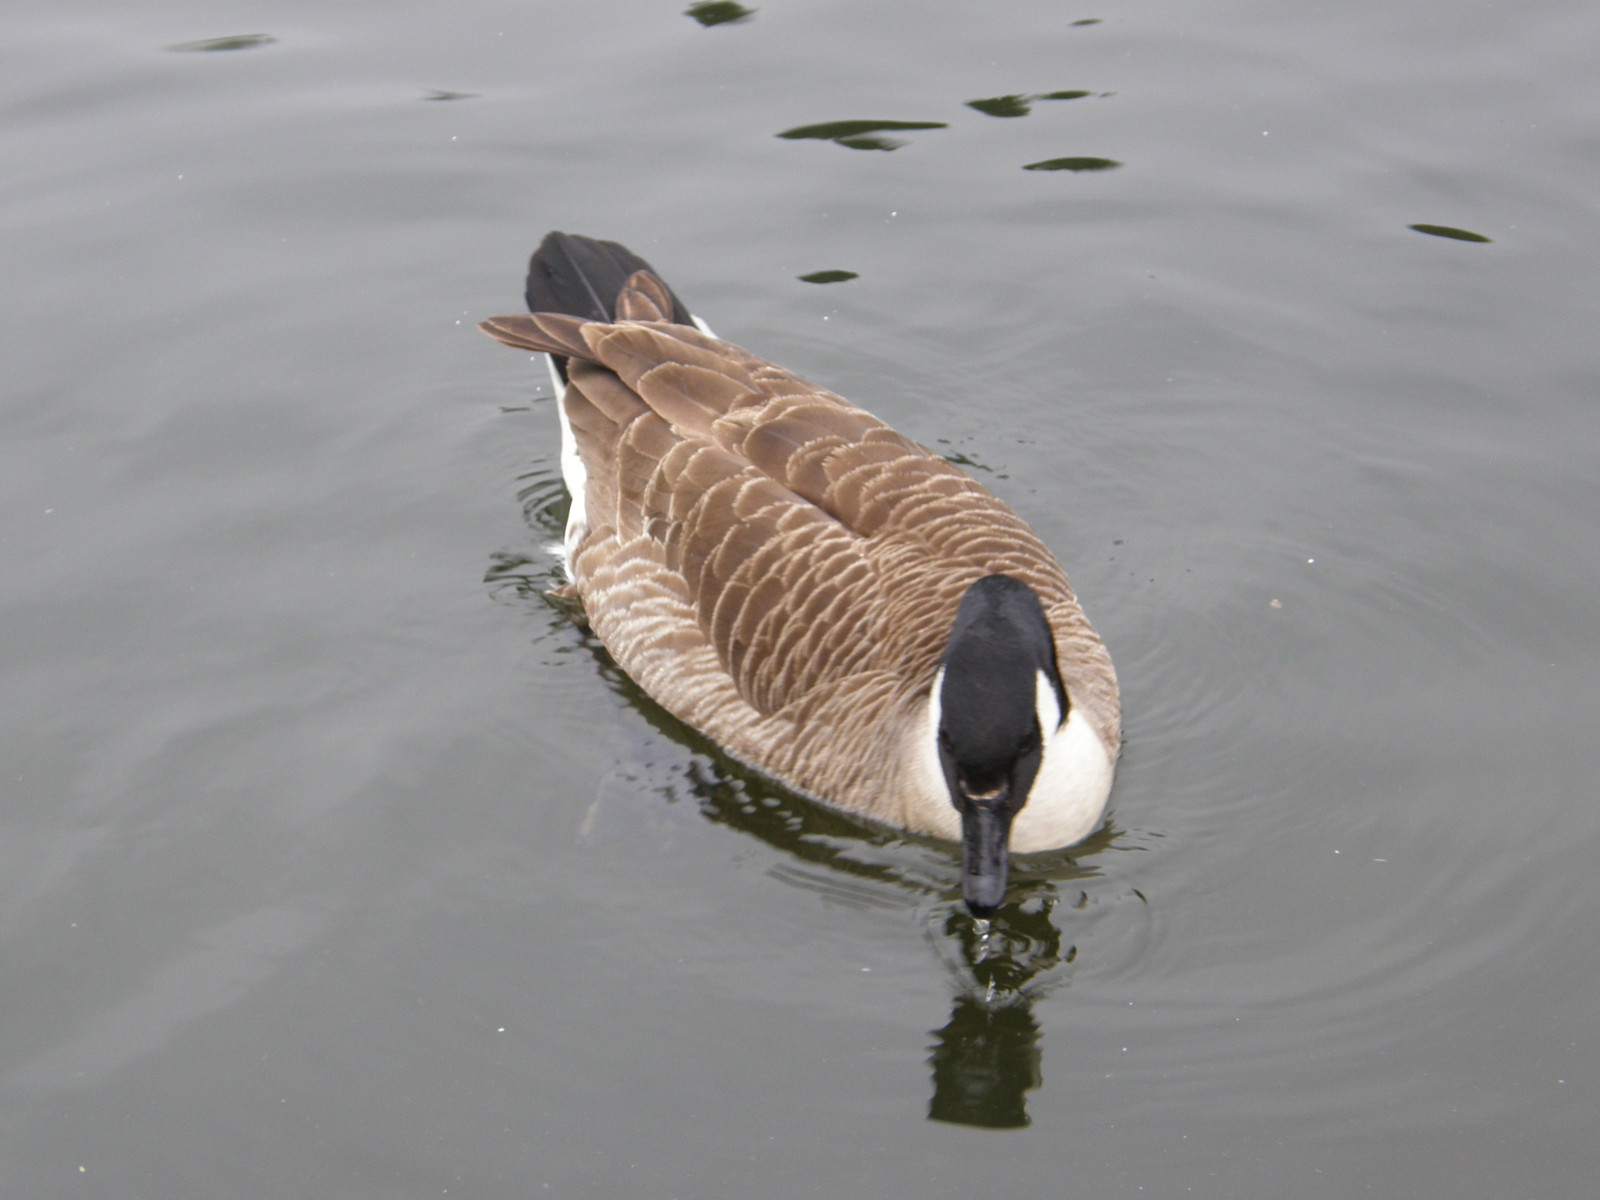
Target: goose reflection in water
column 986, row 1057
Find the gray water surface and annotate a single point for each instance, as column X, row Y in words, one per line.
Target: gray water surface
column 335, row 861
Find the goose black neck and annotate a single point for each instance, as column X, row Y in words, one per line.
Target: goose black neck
column 1000, row 645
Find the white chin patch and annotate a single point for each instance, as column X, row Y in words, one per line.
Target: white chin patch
column 1045, row 705
column 1069, row 793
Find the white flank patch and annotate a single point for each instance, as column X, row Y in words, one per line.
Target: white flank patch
column 1046, row 706
column 572, row 469
column 572, row 472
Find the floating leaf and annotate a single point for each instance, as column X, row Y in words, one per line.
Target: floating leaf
column 1088, row 21
column 1447, row 231
column 1074, row 95
column 858, row 135
column 718, row 12
column 829, row 276
column 239, row 41
column 1073, row 164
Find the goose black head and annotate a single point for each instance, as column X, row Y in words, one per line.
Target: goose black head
column 999, row 696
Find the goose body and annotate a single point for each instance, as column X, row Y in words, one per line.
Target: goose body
column 831, row 603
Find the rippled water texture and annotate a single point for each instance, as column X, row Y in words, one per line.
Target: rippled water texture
column 336, row 861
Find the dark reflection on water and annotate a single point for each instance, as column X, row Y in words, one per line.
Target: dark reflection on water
column 1003, row 106
column 1449, row 231
column 859, row 135
column 1019, row 105
column 442, row 94
column 986, row 1057
column 239, row 41
column 1014, row 951
column 718, row 12
column 966, row 461
column 985, row 1061
column 1073, row 163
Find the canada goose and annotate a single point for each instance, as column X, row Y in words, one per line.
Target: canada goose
column 832, row 604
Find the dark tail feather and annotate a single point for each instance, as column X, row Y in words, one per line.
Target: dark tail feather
column 583, row 276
